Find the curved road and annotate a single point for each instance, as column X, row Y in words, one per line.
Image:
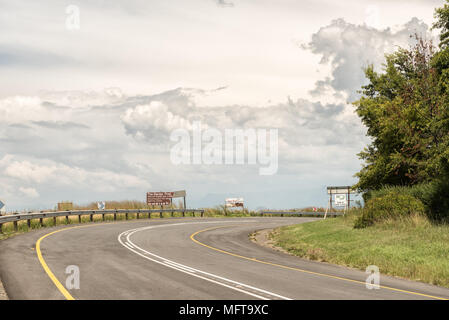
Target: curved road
column 196, row 259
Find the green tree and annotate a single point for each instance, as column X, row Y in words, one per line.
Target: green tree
column 442, row 16
column 405, row 109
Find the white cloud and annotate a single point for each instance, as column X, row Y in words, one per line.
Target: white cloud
column 56, row 174
column 154, row 121
column 349, row 48
column 29, row 192
column 109, row 150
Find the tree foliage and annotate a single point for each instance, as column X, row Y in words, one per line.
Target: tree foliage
column 406, row 111
column 442, row 16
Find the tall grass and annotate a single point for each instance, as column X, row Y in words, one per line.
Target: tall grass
column 223, row 211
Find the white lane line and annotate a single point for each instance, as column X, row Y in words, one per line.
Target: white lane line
column 129, row 244
column 228, row 283
column 180, row 266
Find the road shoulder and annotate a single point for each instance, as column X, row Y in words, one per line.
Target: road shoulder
column 263, row 238
column 3, row 295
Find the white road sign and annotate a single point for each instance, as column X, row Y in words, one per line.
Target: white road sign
column 1, row 204
column 340, row 200
column 101, row 205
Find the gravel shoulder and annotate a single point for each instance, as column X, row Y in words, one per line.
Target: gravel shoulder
column 3, row 295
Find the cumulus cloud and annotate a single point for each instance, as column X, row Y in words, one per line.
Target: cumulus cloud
column 153, row 121
column 300, row 122
column 92, row 146
column 349, row 48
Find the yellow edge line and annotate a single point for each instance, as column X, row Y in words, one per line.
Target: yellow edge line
column 50, row 274
column 53, row 278
column 192, row 237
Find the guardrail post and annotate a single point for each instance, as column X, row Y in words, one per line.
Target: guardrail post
column 54, row 221
column 92, row 217
column 1, row 228
column 115, row 215
column 15, row 226
column 126, row 215
column 67, row 219
column 184, row 212
column 102, row 216
column 138, row 213
column 79, row 218
column 160, row 215
column 29, row 223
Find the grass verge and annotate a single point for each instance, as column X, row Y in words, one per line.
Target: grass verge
column 411, row 248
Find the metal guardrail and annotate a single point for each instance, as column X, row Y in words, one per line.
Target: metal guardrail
column 316, row 214
column 54, row 214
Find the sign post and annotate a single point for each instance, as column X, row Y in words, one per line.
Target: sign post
column 180, row 194
column 101, row 205
column 340, row 200
column 164, row 198
column 342, row 197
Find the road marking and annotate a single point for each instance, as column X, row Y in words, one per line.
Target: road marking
column 228, row 283
column 192, row 237
column 53, row 278
column 47, row 269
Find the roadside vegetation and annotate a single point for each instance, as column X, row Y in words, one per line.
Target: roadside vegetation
column 403, row 227
column 409, row 247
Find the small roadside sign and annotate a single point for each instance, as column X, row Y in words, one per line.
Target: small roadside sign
column 1, row 205
column 234, row 202
column 159, row 198
column 340, row 200
column 179, row 194
column 101, row 205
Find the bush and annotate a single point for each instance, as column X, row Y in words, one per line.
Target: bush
column 392, row 205
column 434, row 196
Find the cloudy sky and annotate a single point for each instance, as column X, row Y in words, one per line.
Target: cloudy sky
column 86, row 110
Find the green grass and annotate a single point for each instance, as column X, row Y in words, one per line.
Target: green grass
column 411, row 248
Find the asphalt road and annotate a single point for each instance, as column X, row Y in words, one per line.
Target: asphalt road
column 180, row 259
